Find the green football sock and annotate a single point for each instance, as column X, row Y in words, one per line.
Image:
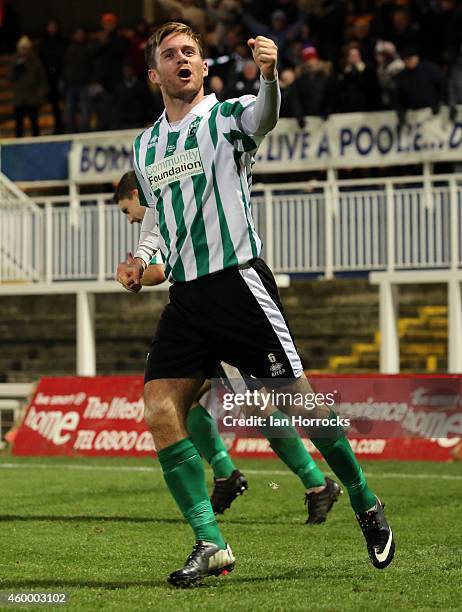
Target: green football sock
column 204, row 433
column 336, row 450
column 184, row 474
column 288, row 446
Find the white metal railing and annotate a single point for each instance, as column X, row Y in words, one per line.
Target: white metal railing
column 325, row 227
column 20, row 233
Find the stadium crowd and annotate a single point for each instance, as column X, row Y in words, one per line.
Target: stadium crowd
column 335, row 56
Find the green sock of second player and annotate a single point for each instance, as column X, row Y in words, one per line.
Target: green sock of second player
column 289, row 447
column 336, row 450
column 204, row 433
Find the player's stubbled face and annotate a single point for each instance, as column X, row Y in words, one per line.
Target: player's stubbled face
column 180, row 69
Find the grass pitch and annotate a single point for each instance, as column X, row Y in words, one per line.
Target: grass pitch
column 106, row 532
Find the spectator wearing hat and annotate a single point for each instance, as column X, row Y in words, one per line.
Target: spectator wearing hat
column 312, row 90
column 29, row 80
column 420, row 85
column 110, row 53
column 357, row 89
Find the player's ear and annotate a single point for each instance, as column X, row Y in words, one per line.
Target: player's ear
column 153, row 76
column 134, row 194
column 205, row 67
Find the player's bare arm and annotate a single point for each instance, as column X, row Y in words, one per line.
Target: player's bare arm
column 133, row 276
column 153, row 275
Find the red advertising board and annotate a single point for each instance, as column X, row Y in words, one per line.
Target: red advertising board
column 391, row 417
column 100, row 416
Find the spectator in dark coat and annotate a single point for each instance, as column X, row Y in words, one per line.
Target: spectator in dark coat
column 360, row 33
column 357, row 87
column 77, row 73
column 420, row 85
column 328, row 22
column 52, row 51
column 225, row 14
column 137, row 43
column 110, row 53
column 262, row 9
column 404, row 32
column 279, row 31
column 29, row 86
column 132, row 100
column 286, row 83
column 442, row 31
column 312, row 91
column 382, row 23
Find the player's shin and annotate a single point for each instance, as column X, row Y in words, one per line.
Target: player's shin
column 184, row 474
column 336, row 450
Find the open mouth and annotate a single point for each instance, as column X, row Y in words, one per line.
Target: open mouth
column 184, row 73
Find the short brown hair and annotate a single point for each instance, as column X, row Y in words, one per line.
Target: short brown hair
column 171, row 27
column 125, row 187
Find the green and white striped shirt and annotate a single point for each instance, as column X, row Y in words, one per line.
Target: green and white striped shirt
column 196, row 175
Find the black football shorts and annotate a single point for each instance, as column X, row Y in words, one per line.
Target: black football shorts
column 235, row 316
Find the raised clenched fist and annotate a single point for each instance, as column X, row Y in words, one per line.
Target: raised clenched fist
column 265, row 55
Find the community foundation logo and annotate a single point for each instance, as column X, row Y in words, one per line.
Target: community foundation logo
column 174, row 167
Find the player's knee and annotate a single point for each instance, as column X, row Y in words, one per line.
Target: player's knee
column 159, row 413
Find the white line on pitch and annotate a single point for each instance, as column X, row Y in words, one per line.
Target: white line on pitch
column 134, row 468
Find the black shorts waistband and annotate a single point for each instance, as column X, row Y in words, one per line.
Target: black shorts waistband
column 243, row 266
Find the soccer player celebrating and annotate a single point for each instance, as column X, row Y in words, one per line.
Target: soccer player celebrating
column 320, row 492
column 194, row 172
